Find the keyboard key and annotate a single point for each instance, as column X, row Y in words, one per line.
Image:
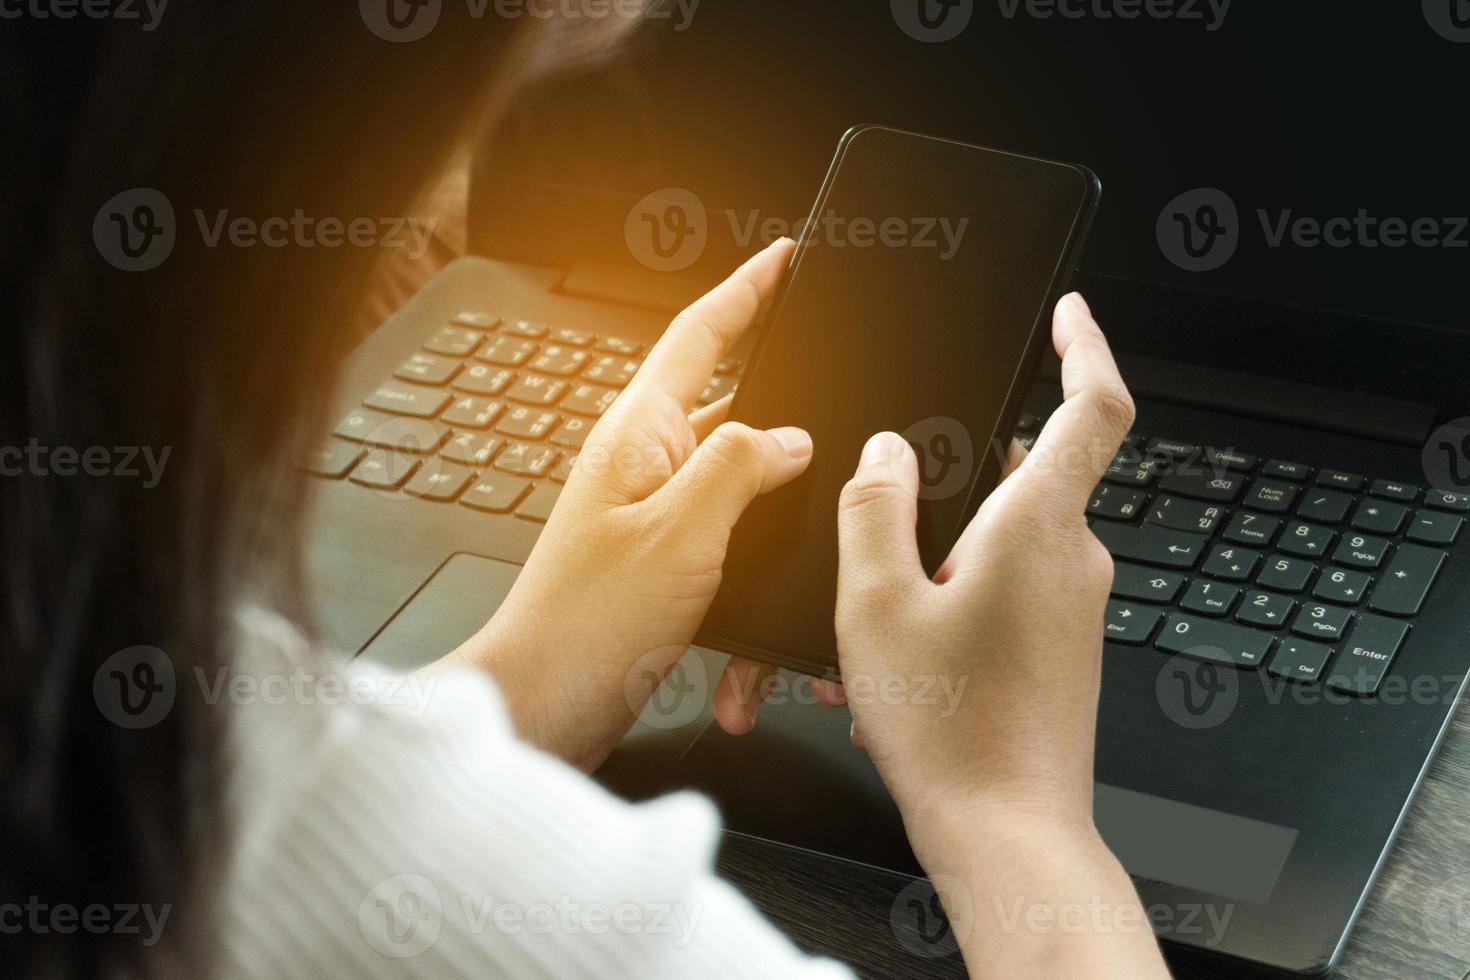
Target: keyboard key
column 1285, row 574
column 589, row 400
column 1231, row 564
column 617, row 345
column 1281, row 470
column 1029, row 422
column 469, row 412
column 568, row 337
column 1428, row 527
column 1300, row 660
column 1221, row 487
column 1271, row 497
column 496, row 493
column 527, row 423
column 1185, row 515
column 1208, row 639
column 1251, row 529
column 421, row 437
column 1209, row 598
column 1441, row 500
column 1127, row 468
column 1148, row 584
column 1360, row 551
column 406, row 399
column 560, row 361
column 1229, row 459
column 1324, row 506
column 1340, row 480
column 1150, row 544
column 475, row 449
column 534, row 389
column 1306, row 540
column 572, row 433
column 717, row 388
column 335, row 459
column 429, row 369
column 475, row 319
column 484, row 379
column 383, row 469
column 537, row 507
column 525, row 459
column 1115, row 503
column 612, row 370
column 1407, row 580
column 507, row 351
column 1394, row 491
column 1265, row 609
column 1367, row 655
column 1380, row 516
column 454, row 341
column 439, row 481
column 1130, row 624
column 359, row 423
column 1171, row 449
column 524, row 328
column 1321, row 622
column 562, row 472
column 1341, row 585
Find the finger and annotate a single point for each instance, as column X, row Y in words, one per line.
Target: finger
column 738, row 696
column 709, row 418
column 1082, row 436
column 830, row 693
column 856, row 737
column 1015, row 456
column 682, row 362
column 731, row 468
column 877, row 547
column 965, row 547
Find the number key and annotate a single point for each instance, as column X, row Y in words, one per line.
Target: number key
column 1265, row 609
column 1341, row 585
column 1307, row 540
column 1209, row 598
column 1231, row 564
column 1285, row 574
column 1254, row 529
column 1321, row 622
column 1360, row 551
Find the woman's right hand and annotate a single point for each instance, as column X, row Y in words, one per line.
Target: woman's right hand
column 976, row 692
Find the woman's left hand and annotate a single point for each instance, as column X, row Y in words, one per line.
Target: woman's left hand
column 626, row 568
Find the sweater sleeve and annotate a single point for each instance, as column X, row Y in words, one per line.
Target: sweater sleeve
column 385, row 826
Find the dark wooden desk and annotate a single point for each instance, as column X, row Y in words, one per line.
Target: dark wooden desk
column 1416, row 923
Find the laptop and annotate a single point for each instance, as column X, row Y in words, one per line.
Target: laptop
column 1286, row 641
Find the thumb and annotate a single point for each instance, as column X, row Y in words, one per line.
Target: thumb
column 734, row 466
column 877, row 547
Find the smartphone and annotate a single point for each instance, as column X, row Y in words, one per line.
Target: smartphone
column 918, row 300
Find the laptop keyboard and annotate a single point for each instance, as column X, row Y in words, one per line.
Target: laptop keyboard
column 490, row 414
column 1314, row 574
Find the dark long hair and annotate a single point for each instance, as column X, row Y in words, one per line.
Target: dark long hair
column 220, row 355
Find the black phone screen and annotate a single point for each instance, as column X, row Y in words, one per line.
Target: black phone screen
column 918, row 301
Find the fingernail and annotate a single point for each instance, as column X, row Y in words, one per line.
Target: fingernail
column 796, row 442
column 881, row 448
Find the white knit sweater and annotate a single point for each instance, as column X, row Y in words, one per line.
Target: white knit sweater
column 386, row 826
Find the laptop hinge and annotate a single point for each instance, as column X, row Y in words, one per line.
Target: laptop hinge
column 1253, row 396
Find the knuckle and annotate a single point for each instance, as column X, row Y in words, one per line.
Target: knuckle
column 694, row 320
column 1111, row 402
column 872, row 488
column 1095, row 566
column 738, row 445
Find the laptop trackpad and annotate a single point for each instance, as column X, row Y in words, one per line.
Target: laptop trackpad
column 448, row 609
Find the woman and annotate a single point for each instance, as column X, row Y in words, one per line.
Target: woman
column 302, row 838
